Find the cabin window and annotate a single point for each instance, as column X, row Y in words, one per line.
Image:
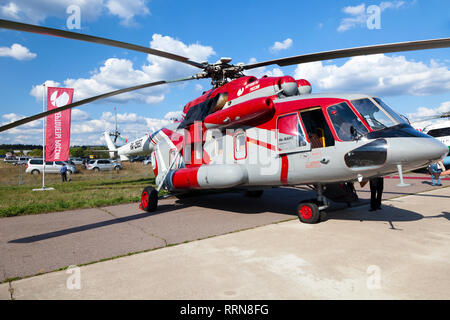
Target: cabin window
column 346, row 124
column 290, row 134
column 317, row 128
column 240, row 146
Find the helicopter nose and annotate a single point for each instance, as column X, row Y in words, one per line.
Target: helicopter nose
column 416, row 152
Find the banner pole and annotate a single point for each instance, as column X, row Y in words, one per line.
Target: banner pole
column 43, row 143
column 43, row 137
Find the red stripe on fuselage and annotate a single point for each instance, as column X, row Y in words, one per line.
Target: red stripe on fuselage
column 284, row 169
column 155, row 171
column 262, row 144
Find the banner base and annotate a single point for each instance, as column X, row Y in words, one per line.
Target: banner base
column 44, row 189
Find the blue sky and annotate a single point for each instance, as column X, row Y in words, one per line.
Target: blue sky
column 414, row 83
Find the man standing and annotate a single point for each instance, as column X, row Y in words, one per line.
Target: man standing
column 376, row 191
column 63, row 171
column 435, row 170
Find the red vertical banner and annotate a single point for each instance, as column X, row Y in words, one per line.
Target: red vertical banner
column 58, row 125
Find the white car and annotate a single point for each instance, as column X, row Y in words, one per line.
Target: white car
column 76, row 160
column 35, row 166
column 10, row 159
column 21, row 160
column 103, row 164
column 148, row 160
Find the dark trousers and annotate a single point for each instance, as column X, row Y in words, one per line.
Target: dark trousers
column 64, row 176
column 376, row 191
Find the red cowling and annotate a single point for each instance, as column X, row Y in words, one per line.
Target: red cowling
column 240, row 113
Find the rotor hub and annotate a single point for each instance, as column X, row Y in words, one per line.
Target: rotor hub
column 221, row 72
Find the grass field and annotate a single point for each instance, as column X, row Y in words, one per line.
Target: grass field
column 85, row 190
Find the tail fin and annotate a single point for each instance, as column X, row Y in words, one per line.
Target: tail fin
column 112, row 148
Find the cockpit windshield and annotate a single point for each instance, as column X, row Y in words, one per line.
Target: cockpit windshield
column 346, row 124
column 375, row 117
column 391, row 112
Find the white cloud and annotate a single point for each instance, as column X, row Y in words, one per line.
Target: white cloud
column 79, row 115
column 38, row 90
column 418, row 118
column 17, row 52
column 359, row 16
column 161, row 68
column 11, row 117
column 37, row 11
column 261, row 71
column 127, row 10
column 10, row 10
column 84, row 130
column 356, row 10
column 130, row 126
column 120, row 73
column 278, row 46
column 378, row 74
column 177, row 115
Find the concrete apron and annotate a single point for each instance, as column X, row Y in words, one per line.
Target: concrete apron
column 400, row 252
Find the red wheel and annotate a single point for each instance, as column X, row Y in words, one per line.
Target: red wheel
column 149, row 199
column 308, row 212
column 144, row 199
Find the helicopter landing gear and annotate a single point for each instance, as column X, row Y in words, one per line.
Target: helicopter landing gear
column 149, row 199
column 308, row 212
column 313, row 210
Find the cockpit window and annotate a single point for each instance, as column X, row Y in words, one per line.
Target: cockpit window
column 374, row 116
column 345, row 122
column 391, row 112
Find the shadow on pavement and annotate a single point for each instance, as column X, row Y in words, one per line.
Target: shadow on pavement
column 86, row 227
column 387, row 214
column 408, row 193
column 280, row 201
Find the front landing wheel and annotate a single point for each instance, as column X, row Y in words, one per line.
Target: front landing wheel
column 149, row 199
column 308, row 212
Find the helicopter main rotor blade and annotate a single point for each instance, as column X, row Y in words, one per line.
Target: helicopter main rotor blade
column 352, row 52
column 18, row 26
column 88, row 100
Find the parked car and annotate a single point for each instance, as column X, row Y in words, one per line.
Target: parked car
column 10, row 159
column 103, row 164
column 147, row 160
column 137, row 158
column 21, row 160
column 76, row 160
column 36, row 166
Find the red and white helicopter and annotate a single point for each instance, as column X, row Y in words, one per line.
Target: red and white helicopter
column 252, row 134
